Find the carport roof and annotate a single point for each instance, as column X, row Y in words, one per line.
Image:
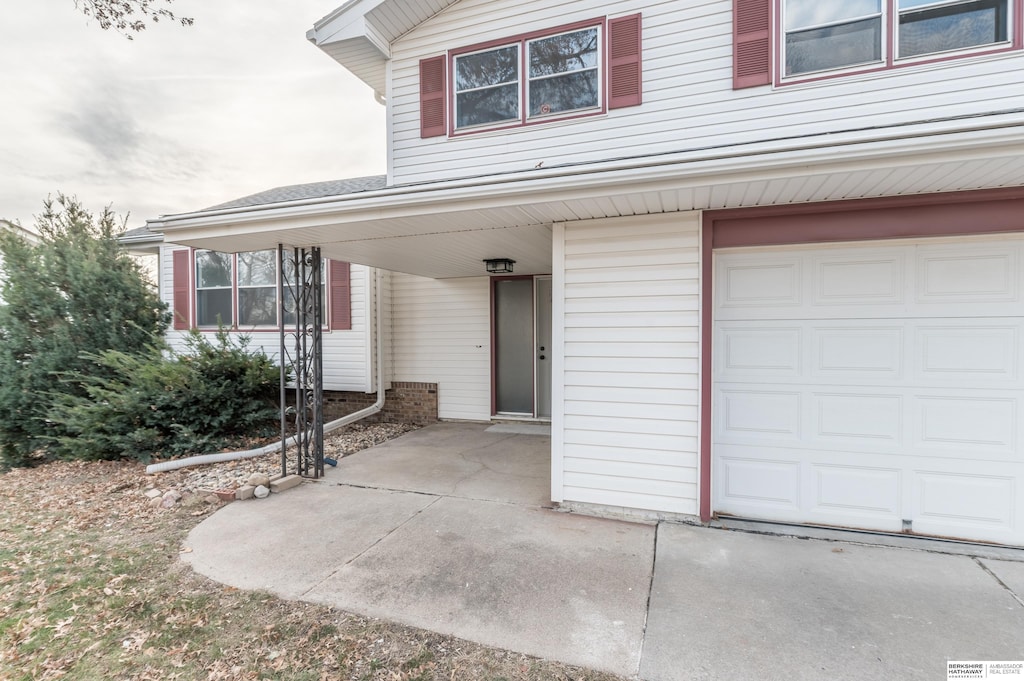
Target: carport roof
column 445, row 228
column 312, row 190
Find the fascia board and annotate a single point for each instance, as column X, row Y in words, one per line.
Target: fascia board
column 348, row 21
column 728, row 164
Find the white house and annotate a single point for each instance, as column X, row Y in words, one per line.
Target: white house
column 31, row 236
column 769, row 254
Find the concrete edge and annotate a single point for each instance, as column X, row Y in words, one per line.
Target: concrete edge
column 868, row 538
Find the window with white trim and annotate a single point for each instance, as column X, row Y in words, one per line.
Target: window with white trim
column 827, row 35
column 562, row 74
column 215, row 276
column 240, row 290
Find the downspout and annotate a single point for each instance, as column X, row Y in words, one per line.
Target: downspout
column 374, row 408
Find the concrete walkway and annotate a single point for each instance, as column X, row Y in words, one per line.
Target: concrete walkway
column 446, row 529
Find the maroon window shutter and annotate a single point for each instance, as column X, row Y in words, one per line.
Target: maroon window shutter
column 624, row 66
column 433, row 103
column 182, row 291
column 751, row 43
column 340, row 295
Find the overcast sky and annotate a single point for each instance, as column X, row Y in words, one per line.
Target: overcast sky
column 177, row 119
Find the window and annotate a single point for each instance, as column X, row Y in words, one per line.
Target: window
column 487, row 87
column 825, row 35
column 215, row 273
column 930, row 27
column 240, row 291
column 562, row 76
column 828, row 34
column 558, row 73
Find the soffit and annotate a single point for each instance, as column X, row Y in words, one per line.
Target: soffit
column 431, row 231
column 359, row 34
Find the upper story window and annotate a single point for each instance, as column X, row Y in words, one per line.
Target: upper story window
column 827, row 35
column 563, row 72
column 562, row 75
column 931, row 27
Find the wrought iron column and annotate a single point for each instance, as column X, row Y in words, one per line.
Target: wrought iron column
column 301, row 309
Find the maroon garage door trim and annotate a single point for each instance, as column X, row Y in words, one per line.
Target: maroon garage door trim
column 953, row 214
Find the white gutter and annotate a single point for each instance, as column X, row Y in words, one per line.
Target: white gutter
column 999, row 131
column 220, row 457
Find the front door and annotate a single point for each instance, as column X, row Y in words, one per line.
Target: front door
column 522, row 346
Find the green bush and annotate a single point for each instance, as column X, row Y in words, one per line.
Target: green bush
column 71, row 293
column 152, row 405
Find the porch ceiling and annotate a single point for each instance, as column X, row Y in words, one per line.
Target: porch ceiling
column 446, row 229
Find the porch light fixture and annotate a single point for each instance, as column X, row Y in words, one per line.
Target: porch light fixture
column 499, row 265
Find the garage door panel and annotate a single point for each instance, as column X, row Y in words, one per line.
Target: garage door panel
column 966, row 423
column 848, row 352
column 759, row 283
column 767, row 416
column 950, row 503
column 872, row 277
column 874, row 384
column 958, row 273
column 746, row 482
column 860, row 420
column 969, row 351
column 860, row 491
column 760, row 351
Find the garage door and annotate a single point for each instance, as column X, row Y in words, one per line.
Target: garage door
column 872, row 385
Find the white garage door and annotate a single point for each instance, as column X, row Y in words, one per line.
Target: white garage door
column 872, row 385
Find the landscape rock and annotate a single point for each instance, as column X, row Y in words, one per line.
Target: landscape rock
column 261, row 492
column 156, row 502
column 258, row 479
column 153, row 493
column 170, row 498
column 245, row 492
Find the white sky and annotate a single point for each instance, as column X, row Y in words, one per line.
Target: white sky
column 180, row 118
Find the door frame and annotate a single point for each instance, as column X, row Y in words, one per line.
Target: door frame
column 494, row 341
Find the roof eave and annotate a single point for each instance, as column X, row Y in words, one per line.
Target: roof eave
column 734, row 161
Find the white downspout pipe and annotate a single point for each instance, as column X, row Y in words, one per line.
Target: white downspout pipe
column 374, row 408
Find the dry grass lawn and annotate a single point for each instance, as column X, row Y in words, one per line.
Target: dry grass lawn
column 92, row 587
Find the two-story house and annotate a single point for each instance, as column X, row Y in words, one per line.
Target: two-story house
column 764, row 258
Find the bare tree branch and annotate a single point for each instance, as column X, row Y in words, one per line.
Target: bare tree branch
column 128, row 16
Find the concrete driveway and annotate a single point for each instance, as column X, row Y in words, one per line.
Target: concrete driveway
column 448, row 528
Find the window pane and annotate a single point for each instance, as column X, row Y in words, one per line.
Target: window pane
column 952, row 27
column 257, row 268
column 213, row 269
column 803, row 13
column 562, row 53
column 563, row 93
column 487, row 68
column 213, row 307
column 833, row 47
column 492, row 105
column 257, row 306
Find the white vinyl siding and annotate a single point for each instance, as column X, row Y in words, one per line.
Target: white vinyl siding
column 441, row 334
column 345, row 352
column 629, row 364
column 688, row 100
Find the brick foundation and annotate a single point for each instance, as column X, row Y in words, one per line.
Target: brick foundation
column 404, row 402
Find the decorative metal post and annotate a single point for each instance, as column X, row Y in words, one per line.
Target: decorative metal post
column 300, row 306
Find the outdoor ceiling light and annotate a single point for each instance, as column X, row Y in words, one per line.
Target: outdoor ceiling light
column 499, row 265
